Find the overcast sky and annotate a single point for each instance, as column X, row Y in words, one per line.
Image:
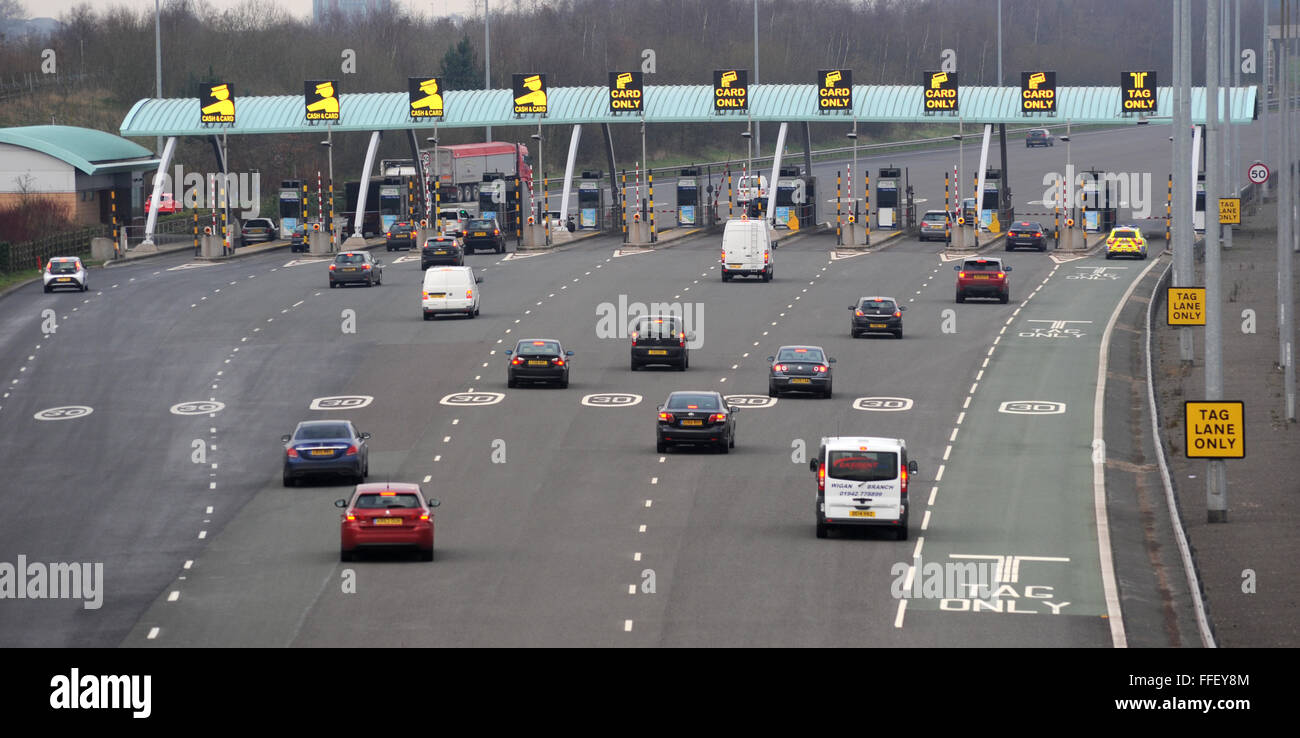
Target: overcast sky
column 54, row 8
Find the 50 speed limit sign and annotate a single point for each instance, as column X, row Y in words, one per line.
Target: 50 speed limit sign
column 1258, row 173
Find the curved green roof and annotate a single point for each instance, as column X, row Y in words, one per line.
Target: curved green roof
column 376, row 111
column 87, row 149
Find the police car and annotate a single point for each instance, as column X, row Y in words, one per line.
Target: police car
column 64, row 271
column 1126, row 241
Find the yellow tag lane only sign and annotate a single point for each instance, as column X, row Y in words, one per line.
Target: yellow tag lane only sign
column 1215, row 430
column 1186, row 305
column 1230, row 211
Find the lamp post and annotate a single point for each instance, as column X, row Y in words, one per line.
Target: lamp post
column 328, row 143
column 541, row 169
column 748, row 135
column 853, row 134
column 437, row 183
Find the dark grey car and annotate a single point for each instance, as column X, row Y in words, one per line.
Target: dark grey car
column 356, row 266
column 799, row 369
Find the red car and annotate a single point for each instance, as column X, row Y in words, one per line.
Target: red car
column 386, row 515
column 979, row 276
column 166, row 204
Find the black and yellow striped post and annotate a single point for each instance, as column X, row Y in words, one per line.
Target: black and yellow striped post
column 622, row 202
column 303, row 201
column 519, row 198
column 112, row 207
column 1056, row 219
column 225, row 233
column 410, row 198
column 197, row 251
column 866, row 200
column 1169, row 205
column 839, row 234
column 333, row 247
column 947, row 202
column 650, row 183
column 546, row 211
column 1083, row 214
column 730, row 198
column 437, row 206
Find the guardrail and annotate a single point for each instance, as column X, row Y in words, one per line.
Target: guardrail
column 33, row 254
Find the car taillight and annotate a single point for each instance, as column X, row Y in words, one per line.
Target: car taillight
column 1038, row 234
column 516, row 360
column 961, row 275
column 351, row 516
column 718, row 418
column 331, row 267
column 365, row 266
column 424, row 516
column 858, row 313
column 821, row 477
column 681, row 339
column 766, row 256
column 352, row 450
column 292, row 452
column 898, row 314
column 469, row 294
column 1002, row 275
column 820, row 368
column 557, row 361
column 665, row 417
column 1110, row 242
column 778, row 367
column 904, row 480
column 496, row 232
column 722, row 257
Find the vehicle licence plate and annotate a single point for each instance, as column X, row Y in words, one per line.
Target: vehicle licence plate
column 800, row 381
column 388, row 521
column 877, row 325
column 480, row 233
column 862, row 513
column 657, row 352
column 441, row 253
column 64, row 279
column 692, row 422
column 349, row 269
column 537, row 363
column 980, row 276
column 433, row 295
column 322, row 452
column 733, row 266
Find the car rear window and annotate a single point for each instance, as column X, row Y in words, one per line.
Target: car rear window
column 934, row 218
column 811, row 354
column 550, row 348
column 986, row 266
column 863, row 466
column 483, row 224
column 657, row 327
column 63, row 267
column 370, row 501
column 1037, row 132
column 441, row 243
column 350, row 259
column 317, row 432
column 885, row 305
column 1124, row 234
column 1027, row 227
column 699, row 401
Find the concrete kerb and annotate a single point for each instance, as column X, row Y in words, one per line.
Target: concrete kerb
column 563, row 240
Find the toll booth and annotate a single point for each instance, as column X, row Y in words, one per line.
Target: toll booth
column 591, row 202
column 291, row 205
column 887, row 205
column 990, row 201
column 689, row 212
column 1198, row 215
column 791, row 194
column 392, row 201
column 498, row 198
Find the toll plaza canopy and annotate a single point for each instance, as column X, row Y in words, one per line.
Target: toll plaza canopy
column 378, row 111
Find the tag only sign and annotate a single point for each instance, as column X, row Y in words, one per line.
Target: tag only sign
column 1230, row 211
column 1186, row 305
column 1138, row 92
column 1215, row 430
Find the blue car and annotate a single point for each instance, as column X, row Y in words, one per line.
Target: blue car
column 326, row 447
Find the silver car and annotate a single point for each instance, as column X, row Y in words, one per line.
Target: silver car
column 64, row 271
column 934, row 226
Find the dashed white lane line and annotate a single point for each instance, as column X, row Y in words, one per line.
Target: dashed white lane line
column 203, row 534
column 627, row 626
column 437, row 457
column 427, row 478
column 953, row 437
column 934, row 491
column 188, row 564
column 173, row 596
column 902, row 608
column 641, row 529
column 662, row 459
column 972, row 388
column 153, row 632
column 446, row 439
column 631, row 589
column 966, row 404
column 648, row 503
column 653, row 480
column 960, row 418
column 455, row 421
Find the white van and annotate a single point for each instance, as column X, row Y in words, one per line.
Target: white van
column 451, row 289
column 862, row 480
column 454, row 220
column 747, row 249
column 749, row 187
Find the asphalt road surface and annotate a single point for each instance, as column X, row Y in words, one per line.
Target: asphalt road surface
column 559, row 524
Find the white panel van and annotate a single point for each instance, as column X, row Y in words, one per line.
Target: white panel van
column 862, row 480
column 747, row 250
column 451, row 289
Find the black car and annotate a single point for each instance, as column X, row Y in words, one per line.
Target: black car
column 1039, row 137
column 356, row 266
column 257, row 230
column 877, row 315
column 326, row 447
column 1027, row 233
column 444, row 250
column 538, row 360
column 799, row 369
column 483, row 233
column 298, row 238
column 696, row 418
column 401, row 235
column 660, row 339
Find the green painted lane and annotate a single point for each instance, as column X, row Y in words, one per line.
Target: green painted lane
column 1016, row 494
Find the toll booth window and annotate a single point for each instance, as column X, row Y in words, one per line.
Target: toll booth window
column 863, row 466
